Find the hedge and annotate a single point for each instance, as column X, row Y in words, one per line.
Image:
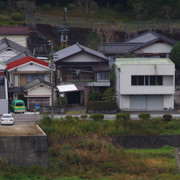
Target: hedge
column 101, row 105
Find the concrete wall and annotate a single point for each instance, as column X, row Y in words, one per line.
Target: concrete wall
column 126, row 71
column 3, row 106
column 24, row 150
column 156, row 48
column 155, row 141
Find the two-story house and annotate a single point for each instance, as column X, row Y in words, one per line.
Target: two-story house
column 80, row 69
column 148, row 44
column 145, row 83
column 29, row 80
column 16, row 34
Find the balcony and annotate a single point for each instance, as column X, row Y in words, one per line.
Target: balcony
column 76, row 78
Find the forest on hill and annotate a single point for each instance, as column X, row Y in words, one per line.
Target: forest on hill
column 136, row 9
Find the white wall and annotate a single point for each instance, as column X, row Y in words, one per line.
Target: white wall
column 155, row 48
column 83, row 57
column 126, row 71
column 20, row 39
column 33, row 67
column 40, row 91
column 169, row 101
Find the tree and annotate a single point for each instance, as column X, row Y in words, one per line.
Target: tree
column 175, row 54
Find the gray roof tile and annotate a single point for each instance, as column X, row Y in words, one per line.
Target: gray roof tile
column 74, row 49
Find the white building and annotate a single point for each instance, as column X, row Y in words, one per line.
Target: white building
column 145, row 83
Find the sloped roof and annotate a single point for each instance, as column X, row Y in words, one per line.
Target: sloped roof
column 135, row 43
column 142, row 61
column 150, row 36
column 19, row 56
column 6, row 43
column 74, row 49
column 17, row 30
column 118, row 48
column 2, row 66
column 34, row 83
column 25, row 60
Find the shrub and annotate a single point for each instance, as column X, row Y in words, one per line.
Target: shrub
column 61, row 101
column 2, row 5
column 17, row 16
column 94, row 96
column 46, row 120
column 144, row 116
column 167, row 117
column 83, row 116
column 97, row 117
column 69, row 118
column 47, row 6
column 123, row 116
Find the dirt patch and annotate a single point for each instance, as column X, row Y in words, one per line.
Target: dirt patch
column 20, row 130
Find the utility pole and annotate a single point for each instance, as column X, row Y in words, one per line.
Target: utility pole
column 65, row 9
column 52, row 79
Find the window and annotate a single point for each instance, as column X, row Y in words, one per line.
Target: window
column 103, row 76
column 146, row 80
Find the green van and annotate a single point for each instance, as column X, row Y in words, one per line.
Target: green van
column 17, row 106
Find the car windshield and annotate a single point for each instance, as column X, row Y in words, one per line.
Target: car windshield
column 19, row 104
column 7, row 116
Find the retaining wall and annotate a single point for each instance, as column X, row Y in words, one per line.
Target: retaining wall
column 155, row 141
column 24, row 150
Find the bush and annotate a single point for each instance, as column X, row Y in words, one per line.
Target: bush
column 167, row 117
column 47, row 6
column 144, row 116
column 83, row 116
column 94, row 96
column 123, row 116
column 17, row 16
column 69, row 118
column 46, row 120
column 2, row 5
column 97, row 117
column 61, row 101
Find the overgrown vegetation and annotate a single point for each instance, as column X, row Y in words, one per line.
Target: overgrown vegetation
column 83, row 149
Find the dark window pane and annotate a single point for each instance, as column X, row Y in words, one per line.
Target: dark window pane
column 140, row 80
column 134, row 80
column 152, row 80
column 146, row 80
column 159, row 80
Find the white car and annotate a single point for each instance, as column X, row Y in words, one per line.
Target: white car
column 7, row 119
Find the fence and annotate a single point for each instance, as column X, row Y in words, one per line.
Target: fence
column 92, row 24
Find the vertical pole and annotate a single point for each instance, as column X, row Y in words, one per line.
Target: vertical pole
column 65, row 16
column 52, row 82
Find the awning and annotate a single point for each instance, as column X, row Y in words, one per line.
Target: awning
column 70, row 87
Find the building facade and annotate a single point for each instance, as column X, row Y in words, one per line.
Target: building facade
column 145, row 83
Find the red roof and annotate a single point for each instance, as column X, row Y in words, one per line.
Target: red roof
column 17, row 30
column 25, row 60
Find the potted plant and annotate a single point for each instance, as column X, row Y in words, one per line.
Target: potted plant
column 61, row 102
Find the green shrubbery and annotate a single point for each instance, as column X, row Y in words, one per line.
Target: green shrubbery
column 167, row 117
column 97, row 117
column 144, row 116
column 2, row 5
column 17, row 16
column 47, row 6
column 102, row 105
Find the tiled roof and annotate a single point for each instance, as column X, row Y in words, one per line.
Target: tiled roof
column 35, row 83
column 25, row 60
column 150, row 36
column 134, row 43
column 19, row 56
column 6, row 43
column 18, row 30
column 74, row 49
column 15, row 89
column 118, row 48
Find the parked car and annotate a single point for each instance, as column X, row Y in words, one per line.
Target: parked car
column 17, row 106
column 7, row 119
